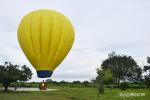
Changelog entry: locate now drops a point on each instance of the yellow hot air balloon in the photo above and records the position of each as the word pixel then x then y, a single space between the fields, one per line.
pixel 46 37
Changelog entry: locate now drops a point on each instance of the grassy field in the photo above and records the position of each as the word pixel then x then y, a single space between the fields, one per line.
pixel 74 94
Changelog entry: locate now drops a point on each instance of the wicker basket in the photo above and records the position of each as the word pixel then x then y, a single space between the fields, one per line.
pixel 43 86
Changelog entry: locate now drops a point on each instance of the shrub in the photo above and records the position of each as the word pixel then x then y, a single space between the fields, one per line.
pixel 124 85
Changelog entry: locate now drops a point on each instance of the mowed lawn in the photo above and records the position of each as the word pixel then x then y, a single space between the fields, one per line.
pixel 74 94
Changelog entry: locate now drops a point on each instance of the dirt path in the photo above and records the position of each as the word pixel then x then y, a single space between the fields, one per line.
pixel 29 89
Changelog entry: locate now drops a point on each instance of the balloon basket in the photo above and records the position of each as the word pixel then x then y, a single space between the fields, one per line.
pixel 43 86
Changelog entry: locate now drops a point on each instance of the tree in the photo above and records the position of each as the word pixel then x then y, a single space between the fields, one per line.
pixel 11 73
pixel 93 81
pixel 63 82
pixel 99 81
pixel 124 85
pixel 49 81
pixel 103 77
pixel 147 73
pixel 76 82
pixel 85 83
pixel 122 67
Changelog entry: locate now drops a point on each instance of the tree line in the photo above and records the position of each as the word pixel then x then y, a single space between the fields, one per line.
pixel 117 70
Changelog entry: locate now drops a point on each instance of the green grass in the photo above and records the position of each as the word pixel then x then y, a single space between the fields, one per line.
pixel 74 94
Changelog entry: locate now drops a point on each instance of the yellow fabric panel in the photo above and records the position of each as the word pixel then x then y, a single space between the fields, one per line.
pixel 45 37
pixel 25 40
pixel 65 44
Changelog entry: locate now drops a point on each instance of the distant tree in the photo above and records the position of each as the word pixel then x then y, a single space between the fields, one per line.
pixel 122 67
pixel 85 83
pixel 124 85
pixel 11 73
pixel 76 82
pixel 49 81
pixel 93 81
pixel 63 82
pixel 147 73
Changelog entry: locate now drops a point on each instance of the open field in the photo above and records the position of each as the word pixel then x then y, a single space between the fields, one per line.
pixel 74 94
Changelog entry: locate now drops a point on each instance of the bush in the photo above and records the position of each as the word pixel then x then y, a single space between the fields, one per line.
pixel 124 85
pixel 137 86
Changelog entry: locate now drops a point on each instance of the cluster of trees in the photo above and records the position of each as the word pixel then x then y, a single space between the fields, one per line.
pixel 13 73
pixel 85 83
pixel 121 69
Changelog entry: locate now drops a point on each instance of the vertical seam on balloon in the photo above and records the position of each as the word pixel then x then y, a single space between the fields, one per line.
pixel 60 37
pixel 63 48
pixel 65 51
pixel 50 35
pixel 40 36
pixel 31 38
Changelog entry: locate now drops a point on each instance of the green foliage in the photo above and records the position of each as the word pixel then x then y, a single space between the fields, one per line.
pixel 63 82
pixel 103 77
pixel 137 86
pixel 100 75
pixel 26 73
pixel 147 73
pixel 76 82
pixel 124 85
pixel 11 73
pixel 147 78
pixel 122 67
pixel 85 83
pixel 108 77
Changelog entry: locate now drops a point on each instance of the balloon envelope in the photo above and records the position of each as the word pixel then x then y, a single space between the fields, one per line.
pixel 45 37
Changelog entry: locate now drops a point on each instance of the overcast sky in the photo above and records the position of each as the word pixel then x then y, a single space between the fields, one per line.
pixel 101 26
